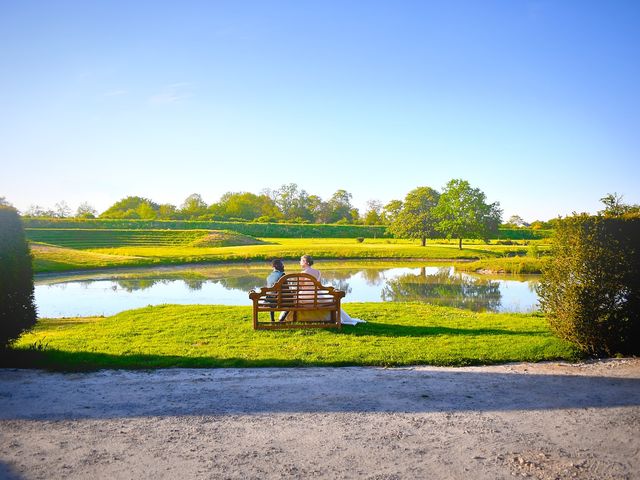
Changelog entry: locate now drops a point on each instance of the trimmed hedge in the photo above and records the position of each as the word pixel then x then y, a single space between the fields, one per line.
pixel 17 310
pixel 590 289
pixel 269 230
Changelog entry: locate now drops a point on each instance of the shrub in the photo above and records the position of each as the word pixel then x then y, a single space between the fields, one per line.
pixel 360 239
pixel 17 311
pixel 590 290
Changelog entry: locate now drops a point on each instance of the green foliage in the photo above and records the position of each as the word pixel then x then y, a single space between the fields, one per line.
pixel 390 211
pixel 533 251
pixel 17 310
pixel 463 213
pixel 193 206
pixel 416 218
pixel 244 205
pixel 591 287
pixel 615 208
pixel 254 229
pixel 222 336
pixel 132 207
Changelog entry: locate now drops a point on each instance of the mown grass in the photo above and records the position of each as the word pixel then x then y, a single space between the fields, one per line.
pixel 52 259
pixel 516 265
pixel 222 336
pixel 83 239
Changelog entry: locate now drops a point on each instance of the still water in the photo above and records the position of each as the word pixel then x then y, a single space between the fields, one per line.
pixel 113 292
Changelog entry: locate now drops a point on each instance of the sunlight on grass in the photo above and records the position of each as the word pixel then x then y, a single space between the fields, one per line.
pixel 222 336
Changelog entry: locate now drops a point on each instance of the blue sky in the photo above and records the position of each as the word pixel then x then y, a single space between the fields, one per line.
pixel 534 102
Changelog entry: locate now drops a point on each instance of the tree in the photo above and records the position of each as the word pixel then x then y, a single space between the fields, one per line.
pixel 128 207
pixel 39 211
pixel 339 207
pixel 614 206
pixel 245 206
pixel 416 219
pixel 462 212
pixel 17 309
pixel 86 211
pixel 373 214
pixel 62 210
pixel 4 202
pixel 517 221
pixel 167 211
pixel 193 206
pixel 293 203
pixel 391 211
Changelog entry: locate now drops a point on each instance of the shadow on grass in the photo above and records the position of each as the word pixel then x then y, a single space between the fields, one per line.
pixel 394 330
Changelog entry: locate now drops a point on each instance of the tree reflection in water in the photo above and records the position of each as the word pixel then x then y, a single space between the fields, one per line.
pixel 444 288
pixel 133 284
pixel 243 283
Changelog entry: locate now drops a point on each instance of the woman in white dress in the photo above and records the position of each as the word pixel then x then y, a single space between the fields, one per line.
pixel 305 263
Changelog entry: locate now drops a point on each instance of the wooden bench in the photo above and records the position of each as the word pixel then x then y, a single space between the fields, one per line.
pixel 308 304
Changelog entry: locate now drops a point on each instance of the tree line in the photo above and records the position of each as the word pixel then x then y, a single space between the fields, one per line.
pixel 289 203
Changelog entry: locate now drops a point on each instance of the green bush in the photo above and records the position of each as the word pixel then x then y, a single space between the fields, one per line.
pixel 17 311
pixel 590 290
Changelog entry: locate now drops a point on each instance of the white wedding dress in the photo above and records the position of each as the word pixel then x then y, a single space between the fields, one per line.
pixel 346 319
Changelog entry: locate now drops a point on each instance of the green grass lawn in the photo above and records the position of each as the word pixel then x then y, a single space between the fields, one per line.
pixel 222 336
pixel 48 258
pixel 518 265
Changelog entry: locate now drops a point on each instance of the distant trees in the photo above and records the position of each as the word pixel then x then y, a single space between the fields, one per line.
pixel 459 211
pixel 244 206
pixel 132 207
pixel 86 211
pixel 193 206
pixel 462 212
pixel 516 221
pixel 391 211
pixel 339 208
pixel 615 208
pixel 62 210
pixel 373 214
pixel 416 218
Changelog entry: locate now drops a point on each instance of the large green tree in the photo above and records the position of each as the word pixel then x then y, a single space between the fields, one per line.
pixel 390 211
pixel 293 203
pixel 339 208
pixel 462 212
pixel 416 219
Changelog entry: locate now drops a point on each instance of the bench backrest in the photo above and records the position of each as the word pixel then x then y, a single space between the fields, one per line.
pixel 297 290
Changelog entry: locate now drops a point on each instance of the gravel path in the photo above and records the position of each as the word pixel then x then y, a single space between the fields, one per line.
pixel 547 420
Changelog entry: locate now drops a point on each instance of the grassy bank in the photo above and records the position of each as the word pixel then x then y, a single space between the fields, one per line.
pixel 49 258
pixel 221 336
pixel 516 265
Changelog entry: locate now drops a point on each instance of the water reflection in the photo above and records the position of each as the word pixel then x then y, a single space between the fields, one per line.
pixel 444 287
pixel 109 293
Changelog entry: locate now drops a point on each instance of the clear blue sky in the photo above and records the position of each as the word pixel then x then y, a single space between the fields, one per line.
pixel 537 103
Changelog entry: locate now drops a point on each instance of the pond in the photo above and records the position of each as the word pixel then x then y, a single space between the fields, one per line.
pixel 107 293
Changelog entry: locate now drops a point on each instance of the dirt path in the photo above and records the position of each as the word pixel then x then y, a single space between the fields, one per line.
pixel 545 421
